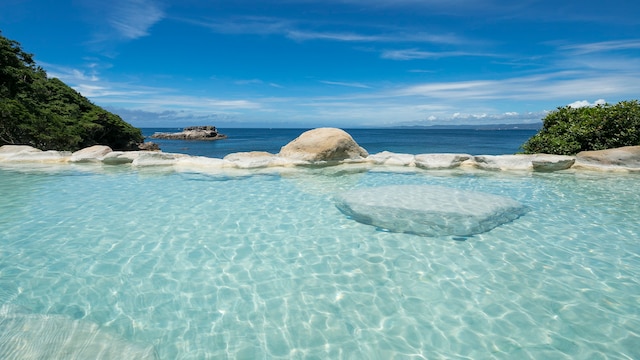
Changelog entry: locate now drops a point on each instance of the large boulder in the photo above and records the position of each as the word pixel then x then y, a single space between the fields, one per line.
pixel 428 210
pixel 323 144
pixel 627 157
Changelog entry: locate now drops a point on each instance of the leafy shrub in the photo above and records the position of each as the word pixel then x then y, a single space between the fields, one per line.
pixel 567 130
pixel 49 115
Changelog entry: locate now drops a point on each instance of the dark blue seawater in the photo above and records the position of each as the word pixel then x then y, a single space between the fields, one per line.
pixel 411 141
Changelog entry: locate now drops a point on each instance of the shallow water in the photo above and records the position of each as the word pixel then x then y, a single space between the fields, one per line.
pixel 266 266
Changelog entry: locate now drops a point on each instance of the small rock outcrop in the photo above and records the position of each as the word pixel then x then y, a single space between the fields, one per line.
pixel 323 144
pixel 148 146
pixel 192 133
pixel 627 157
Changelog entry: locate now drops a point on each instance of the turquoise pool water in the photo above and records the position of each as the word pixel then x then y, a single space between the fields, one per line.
pixel 200 266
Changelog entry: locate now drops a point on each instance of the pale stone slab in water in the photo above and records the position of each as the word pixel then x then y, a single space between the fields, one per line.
pixel 392 159
pixel 440 161
pixel 120 157
pixel 535 162
pixel 260 159
pixel 504 162
pixel 429 210
pixel 156 158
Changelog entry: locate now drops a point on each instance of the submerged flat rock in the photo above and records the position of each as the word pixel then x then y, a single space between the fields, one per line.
pixel 33 336
pixel 429 210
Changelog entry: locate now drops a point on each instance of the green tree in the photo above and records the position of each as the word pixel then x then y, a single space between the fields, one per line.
pixel 47 114
pixel 567 130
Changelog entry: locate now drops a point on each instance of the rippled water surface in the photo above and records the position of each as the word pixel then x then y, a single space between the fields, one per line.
pixel 198 266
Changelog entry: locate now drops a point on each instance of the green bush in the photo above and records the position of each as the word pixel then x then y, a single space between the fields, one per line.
pixel 567 130
pixel 49 115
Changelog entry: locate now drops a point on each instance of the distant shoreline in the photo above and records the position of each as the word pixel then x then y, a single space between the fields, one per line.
pixel 528 126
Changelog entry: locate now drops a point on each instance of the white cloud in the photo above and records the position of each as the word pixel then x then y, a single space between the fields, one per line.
pixel 585 103
pixel 459 118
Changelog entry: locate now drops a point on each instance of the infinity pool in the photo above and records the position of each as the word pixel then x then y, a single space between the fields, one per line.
pixel 254 266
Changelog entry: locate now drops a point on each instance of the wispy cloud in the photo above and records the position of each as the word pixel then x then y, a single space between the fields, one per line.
pixel 133 18
pixel 243 82
pixel 66 73
pixel 158 99
pixel 164 101
pixel 603 46
pixel 299 30
pixel 399 37
pixel 347 84
pixel 248 82
pixel 558 85
pixel 336 36
pixel 414 54
pixel 245 25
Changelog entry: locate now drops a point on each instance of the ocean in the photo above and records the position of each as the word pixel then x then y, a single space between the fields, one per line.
pixel 407 140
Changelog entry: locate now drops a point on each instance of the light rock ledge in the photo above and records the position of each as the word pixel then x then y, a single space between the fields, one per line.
pixel 339 149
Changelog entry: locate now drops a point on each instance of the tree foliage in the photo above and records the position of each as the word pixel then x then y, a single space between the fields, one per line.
pixel 567 130
pixel 47 114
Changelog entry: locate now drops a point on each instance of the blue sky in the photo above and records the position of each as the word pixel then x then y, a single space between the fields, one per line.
pixel 345 63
